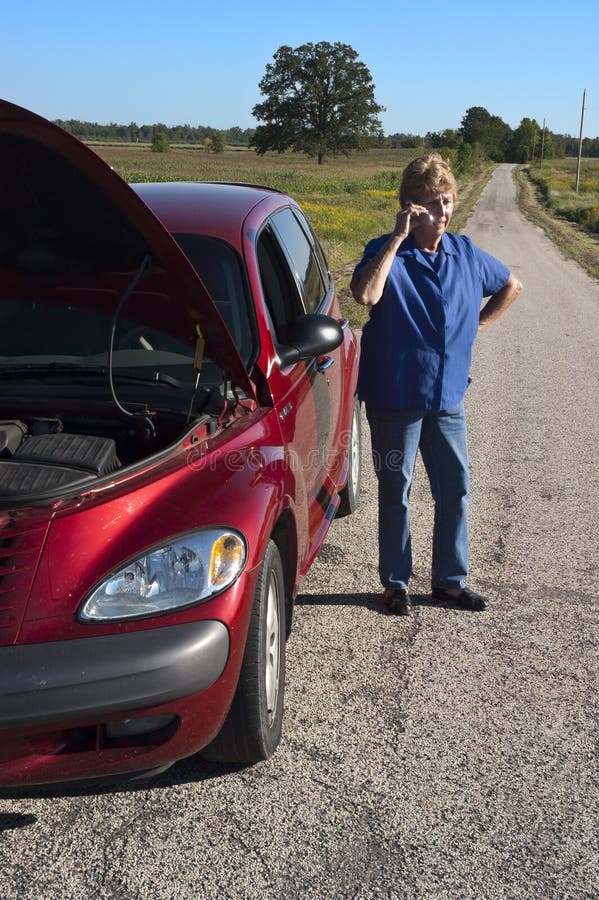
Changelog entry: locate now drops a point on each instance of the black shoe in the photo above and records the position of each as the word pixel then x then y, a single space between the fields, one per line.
pixel 468 599
pixel 397 600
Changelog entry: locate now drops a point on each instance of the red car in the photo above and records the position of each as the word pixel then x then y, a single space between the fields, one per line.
pixel 178 427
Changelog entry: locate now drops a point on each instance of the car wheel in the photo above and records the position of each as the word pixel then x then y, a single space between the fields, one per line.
pixel 350 494
pixel 252 729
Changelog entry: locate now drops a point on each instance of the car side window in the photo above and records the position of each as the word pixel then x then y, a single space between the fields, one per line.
pixel 302 257
pixel 279 287
pixel 316 247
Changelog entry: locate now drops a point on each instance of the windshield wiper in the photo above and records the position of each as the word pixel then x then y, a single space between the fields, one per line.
pixel 51 369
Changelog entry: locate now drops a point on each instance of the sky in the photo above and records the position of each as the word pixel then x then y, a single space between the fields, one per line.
pixel 200 61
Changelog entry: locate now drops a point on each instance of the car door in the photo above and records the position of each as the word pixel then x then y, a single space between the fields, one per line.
pixel 295 282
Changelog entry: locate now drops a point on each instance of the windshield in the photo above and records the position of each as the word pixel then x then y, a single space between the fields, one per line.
pixel 46 333
pixel 51 331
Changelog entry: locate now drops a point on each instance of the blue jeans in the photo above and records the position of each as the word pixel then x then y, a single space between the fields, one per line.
pixel 396 436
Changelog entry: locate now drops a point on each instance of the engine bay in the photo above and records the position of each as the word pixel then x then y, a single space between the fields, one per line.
pixel 45 457
pixel 40 462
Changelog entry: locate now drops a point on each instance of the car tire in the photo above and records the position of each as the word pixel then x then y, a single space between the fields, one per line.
pixel 252 730
pixel 350 494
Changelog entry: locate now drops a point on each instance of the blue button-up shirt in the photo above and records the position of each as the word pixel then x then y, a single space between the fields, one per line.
pixel 417 343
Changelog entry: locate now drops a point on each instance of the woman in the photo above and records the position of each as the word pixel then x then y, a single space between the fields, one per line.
pixel 425 288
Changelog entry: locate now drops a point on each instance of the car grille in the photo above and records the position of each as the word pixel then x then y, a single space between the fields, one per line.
pixel 21 541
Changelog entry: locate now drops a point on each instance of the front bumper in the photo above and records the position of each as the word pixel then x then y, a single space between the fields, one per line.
pixel 69 681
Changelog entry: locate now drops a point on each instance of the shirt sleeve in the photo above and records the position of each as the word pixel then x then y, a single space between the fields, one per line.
pixel 371 249
pixel 493 273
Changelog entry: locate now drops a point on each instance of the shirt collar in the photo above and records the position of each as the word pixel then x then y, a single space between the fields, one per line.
pixel 409 248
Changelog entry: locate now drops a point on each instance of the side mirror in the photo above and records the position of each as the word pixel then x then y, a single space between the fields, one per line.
pixel 309 336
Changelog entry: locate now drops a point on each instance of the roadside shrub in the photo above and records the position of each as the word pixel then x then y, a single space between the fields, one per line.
pixel 587 216
pixel 160 143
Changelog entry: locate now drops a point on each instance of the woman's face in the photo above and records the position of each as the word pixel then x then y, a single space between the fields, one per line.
pixel 440 207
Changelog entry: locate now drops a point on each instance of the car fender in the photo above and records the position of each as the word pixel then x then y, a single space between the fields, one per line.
pixel 247 488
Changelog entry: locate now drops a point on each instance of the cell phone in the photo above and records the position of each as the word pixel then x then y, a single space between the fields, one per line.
pixel 421 215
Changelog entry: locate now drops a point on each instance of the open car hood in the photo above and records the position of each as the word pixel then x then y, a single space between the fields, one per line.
pixel 71 223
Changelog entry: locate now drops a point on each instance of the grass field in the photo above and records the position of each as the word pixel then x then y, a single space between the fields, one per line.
pixel 348 199
pixel 557 178
pixel 547 197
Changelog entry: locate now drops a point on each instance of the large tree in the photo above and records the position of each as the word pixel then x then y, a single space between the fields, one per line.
pixel 526 141
pixel 489 134
pixel 319 101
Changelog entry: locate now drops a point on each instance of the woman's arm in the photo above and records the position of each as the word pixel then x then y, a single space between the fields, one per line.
pixel 497 304
pixel 368 284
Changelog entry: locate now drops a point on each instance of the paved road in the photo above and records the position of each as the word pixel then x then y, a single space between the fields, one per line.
pixel 450 756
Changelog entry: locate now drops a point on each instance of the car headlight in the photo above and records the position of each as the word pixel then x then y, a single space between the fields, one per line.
pixel 188 569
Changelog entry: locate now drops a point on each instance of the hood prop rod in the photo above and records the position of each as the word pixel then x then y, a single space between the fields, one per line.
pixel 145 264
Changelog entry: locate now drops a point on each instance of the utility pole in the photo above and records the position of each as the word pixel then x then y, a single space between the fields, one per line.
pixel 542 143
pixel 584 93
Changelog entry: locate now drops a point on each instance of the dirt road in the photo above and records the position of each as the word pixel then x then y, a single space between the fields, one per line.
pixel 447 756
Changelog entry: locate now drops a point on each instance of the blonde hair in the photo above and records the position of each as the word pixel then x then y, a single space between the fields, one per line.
pixel 427 173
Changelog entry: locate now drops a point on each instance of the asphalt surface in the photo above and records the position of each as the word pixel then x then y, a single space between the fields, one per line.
pixel 446 756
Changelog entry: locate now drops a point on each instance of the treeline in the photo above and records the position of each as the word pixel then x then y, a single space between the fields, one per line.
pixel 133 133
pixel 480 135
pixel 561 144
